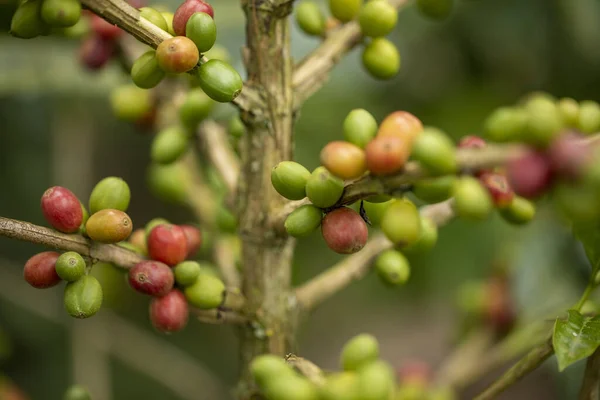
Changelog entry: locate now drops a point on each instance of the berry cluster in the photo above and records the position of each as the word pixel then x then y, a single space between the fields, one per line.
pixel 35 18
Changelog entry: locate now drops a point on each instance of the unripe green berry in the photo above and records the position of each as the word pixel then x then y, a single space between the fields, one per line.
pixel 61 13
pixel 471 200
pixel 268 367
pixel 381 58
pixel 154 16
pixel 236 127
pixel 169 145
pixel 340 386
pixel 303 221
pixel 186 273
pixel 207 292
pixel 401 223
pixel 130 103
pixel 345 10
pixel 201 28
pixel 434 190
pixel 168 182
pixel 427 240
pixel 291 387
pixel 226 221
pixel 471 297
pixel 376 211
pixel 392 267
pixel 323 189
pixel 289 179
pixel 77 392
pixel 359 351
pixel 360 127
pixel 111 192
pixel 376 381
pixel 579 203
pixel 589 117
pixel 70 266
pixel 435 151
pixel 310 18
pixel 27 22
pixel 168 16
pixel 506 124
pixel 145 71
pixel 569 111
pixel 519 212
pixel 544 123
pixel 83 298
pixel 377 18
pixel 153 223
pixel 77 31
pixel 219 80
pixel 196 107
pixel 435 9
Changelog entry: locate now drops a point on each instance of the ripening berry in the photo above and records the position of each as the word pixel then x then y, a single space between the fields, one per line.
pixel 345 10
pixel 111 192
pixel 401 223
pixel 415 372
pixel 289 179
pixel 105 29
pixel 269 367
pixel 427 240
pixel 40 270
pixel 169 144
pixel 208 291
pixel 169 182
pixel 169 313
pixel 95 52
pixel 589 117
pixel 569 111
pixel 291 387
pixel 186 10
pixel 155 17
pixel 376 211
pixel 70 266
pixel 151 277
pixel 310 18
pixel 498 187
pixel 61 13
pixel 196 107
pixel 138 240
pixel 131 103
pixel 344 160
pixel 186 273
pixel 471 200
pixel 529 175
pixel 145 71
pixel 434 190
pixel 177 55
pixel 193 237
pixel 376 381
pixel 340 386
pixel 77 392
pixel 359 351
pixel 381 59
pixel 202 30
pixel 344 231
pixel 219 80
pixel 401 124
pixel 109 226
pixel 435 9
pixel 519 212
pixel 392 267
pixel 83 298
pixel 386 155
pixel 569 156
pixel 168 244
pixel 360 127
pixel 303 221
pixel 62 209
pixel 323 189
pixel 506 124
pixel 471 142
pixel 377 18
pixel 435 151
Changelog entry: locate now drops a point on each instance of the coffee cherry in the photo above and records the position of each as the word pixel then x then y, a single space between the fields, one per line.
pixel 435 151
pixel 169 145
pixel 471 200
pixel 111 192
pixel 145 71
pixel 359 351
pixel 186 10
pixel 386 155
pixel 62 209
pixel 498 187
pixel 40 270
pixel 202 30
pixel 344 231
pixel 186 273
pixel 340 386
pixel 219 80
pixel 499 312
pixel 151 277
pixel 569 156
pixel 196 107
pixel 61 13
pixel 291 387
pixel 529 175
pixel 589 117
pixel 519 212
pixel 344 159
pixel 226 221
pixel 303 221
pixel 435 9
pixel 168 244
pixel 392 267
pixel 193 238
pixel 85 217
pixel 471 142
pixel 310 18
pixel 105 29
pixel 544 123
pixel 153 223
pixel 138 240
pixel 206 292
pixel 95 52
pixel 77 392
pixel 381 59
pixel 376 211
pixel 471 297
pixel 269 367
pixel 401 223
pixel 80 30
pixel 27 22
pixel 236 127
pixel 434 190
pixel 168 16
pixel 377 18
pixel 579 203
pixel 289 179
pixel 177 55
pixel 155 17
pixel 168 182
pixel 506 124
pixel 376 381
pixel 345 10
pixel 323 189
pixel 109 226
pixel 360 127
pixel 83 298
pixel 569 111
pixel 169 313
pixel 401 124
pixel 131 103
pixel 427 240
pixel 70 266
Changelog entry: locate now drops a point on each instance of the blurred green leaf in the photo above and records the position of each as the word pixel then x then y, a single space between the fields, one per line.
pixel 575 338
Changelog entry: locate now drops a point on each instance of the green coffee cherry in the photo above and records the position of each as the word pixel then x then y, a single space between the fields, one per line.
pixel 145 71
pixel 340 386
pixel 168 16
pixel 86 216
pixel 269 367
pixel 544 122
pixel 506 124
pixel 27 21
pixel 130 103
pixel 579 203
pixel 401 223
pixel 186 273
pixel 111 192
pixel 519 212
pixel 359 351
pixel 392 267
pixel 589 117
pixel 236 127
pixel 155 17
pixel 169 145
pixel 61 13
pixel 381 58
pixel 219 80
pixel 360 127
pixel 345 10
pixel 376 211
pixel 196 107
pixel 168 182
pixel 77 31
pixel 207 292
pixel 435 9
pixel 77 392
pixel 427 240
pixel 201 28
pixel 435 151
pixel 70 266
pixel 413 391
pixel 303 221
pixel 434 190
pixel 291 387
pixel 226 221
pixel 376 381
pixel 310 18
pixel 377 18
pixel 471 200
pixel 323 189
pixel 83 297
pixel 289 179
pixel 153 223
pixel 569 111
pixel 471 297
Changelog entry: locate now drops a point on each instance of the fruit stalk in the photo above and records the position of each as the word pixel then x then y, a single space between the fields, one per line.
pixel 590 386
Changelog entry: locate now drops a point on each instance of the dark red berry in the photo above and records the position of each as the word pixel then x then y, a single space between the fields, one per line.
pixel 169 313
pixel 96 52
pixel 193 237
pixel 185 11
pixel 151 277
pixel 39 270
pixel 498 187
pixel 168 244
pixel 344 230
pixel 62 209
pixel 530 174
pixel 569 156
pixel 105 29
pixel 471 142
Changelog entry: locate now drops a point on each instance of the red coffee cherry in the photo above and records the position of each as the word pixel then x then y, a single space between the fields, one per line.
pixel 387 155
pixel 569 156
pixel 168 244
pixel 193 236
pixel 177 55
pixel 95 52
pixel 62 209
pixel 185 11
pixel 39 270
pixel 344 231
pixel 471 142
pixel 105 29
pixel 169 313
pixel 151 277
pixel 529 175
pixel 498 187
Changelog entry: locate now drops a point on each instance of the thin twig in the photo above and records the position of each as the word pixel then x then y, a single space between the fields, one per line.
pixel 200 197
pixel 219 317
pixel 307 368
pixel 215 145
pixel 591 379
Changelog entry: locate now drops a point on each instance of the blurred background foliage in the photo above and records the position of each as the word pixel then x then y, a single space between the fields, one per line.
pixel 56 128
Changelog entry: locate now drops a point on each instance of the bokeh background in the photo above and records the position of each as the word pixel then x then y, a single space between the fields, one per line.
pixel 56 128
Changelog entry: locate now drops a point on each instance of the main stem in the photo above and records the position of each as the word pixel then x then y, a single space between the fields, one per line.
pixel 267 256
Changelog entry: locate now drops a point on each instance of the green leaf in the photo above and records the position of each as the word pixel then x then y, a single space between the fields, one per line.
pixel 575 338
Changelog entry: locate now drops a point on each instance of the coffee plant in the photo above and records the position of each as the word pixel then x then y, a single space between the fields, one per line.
pixel 382 193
